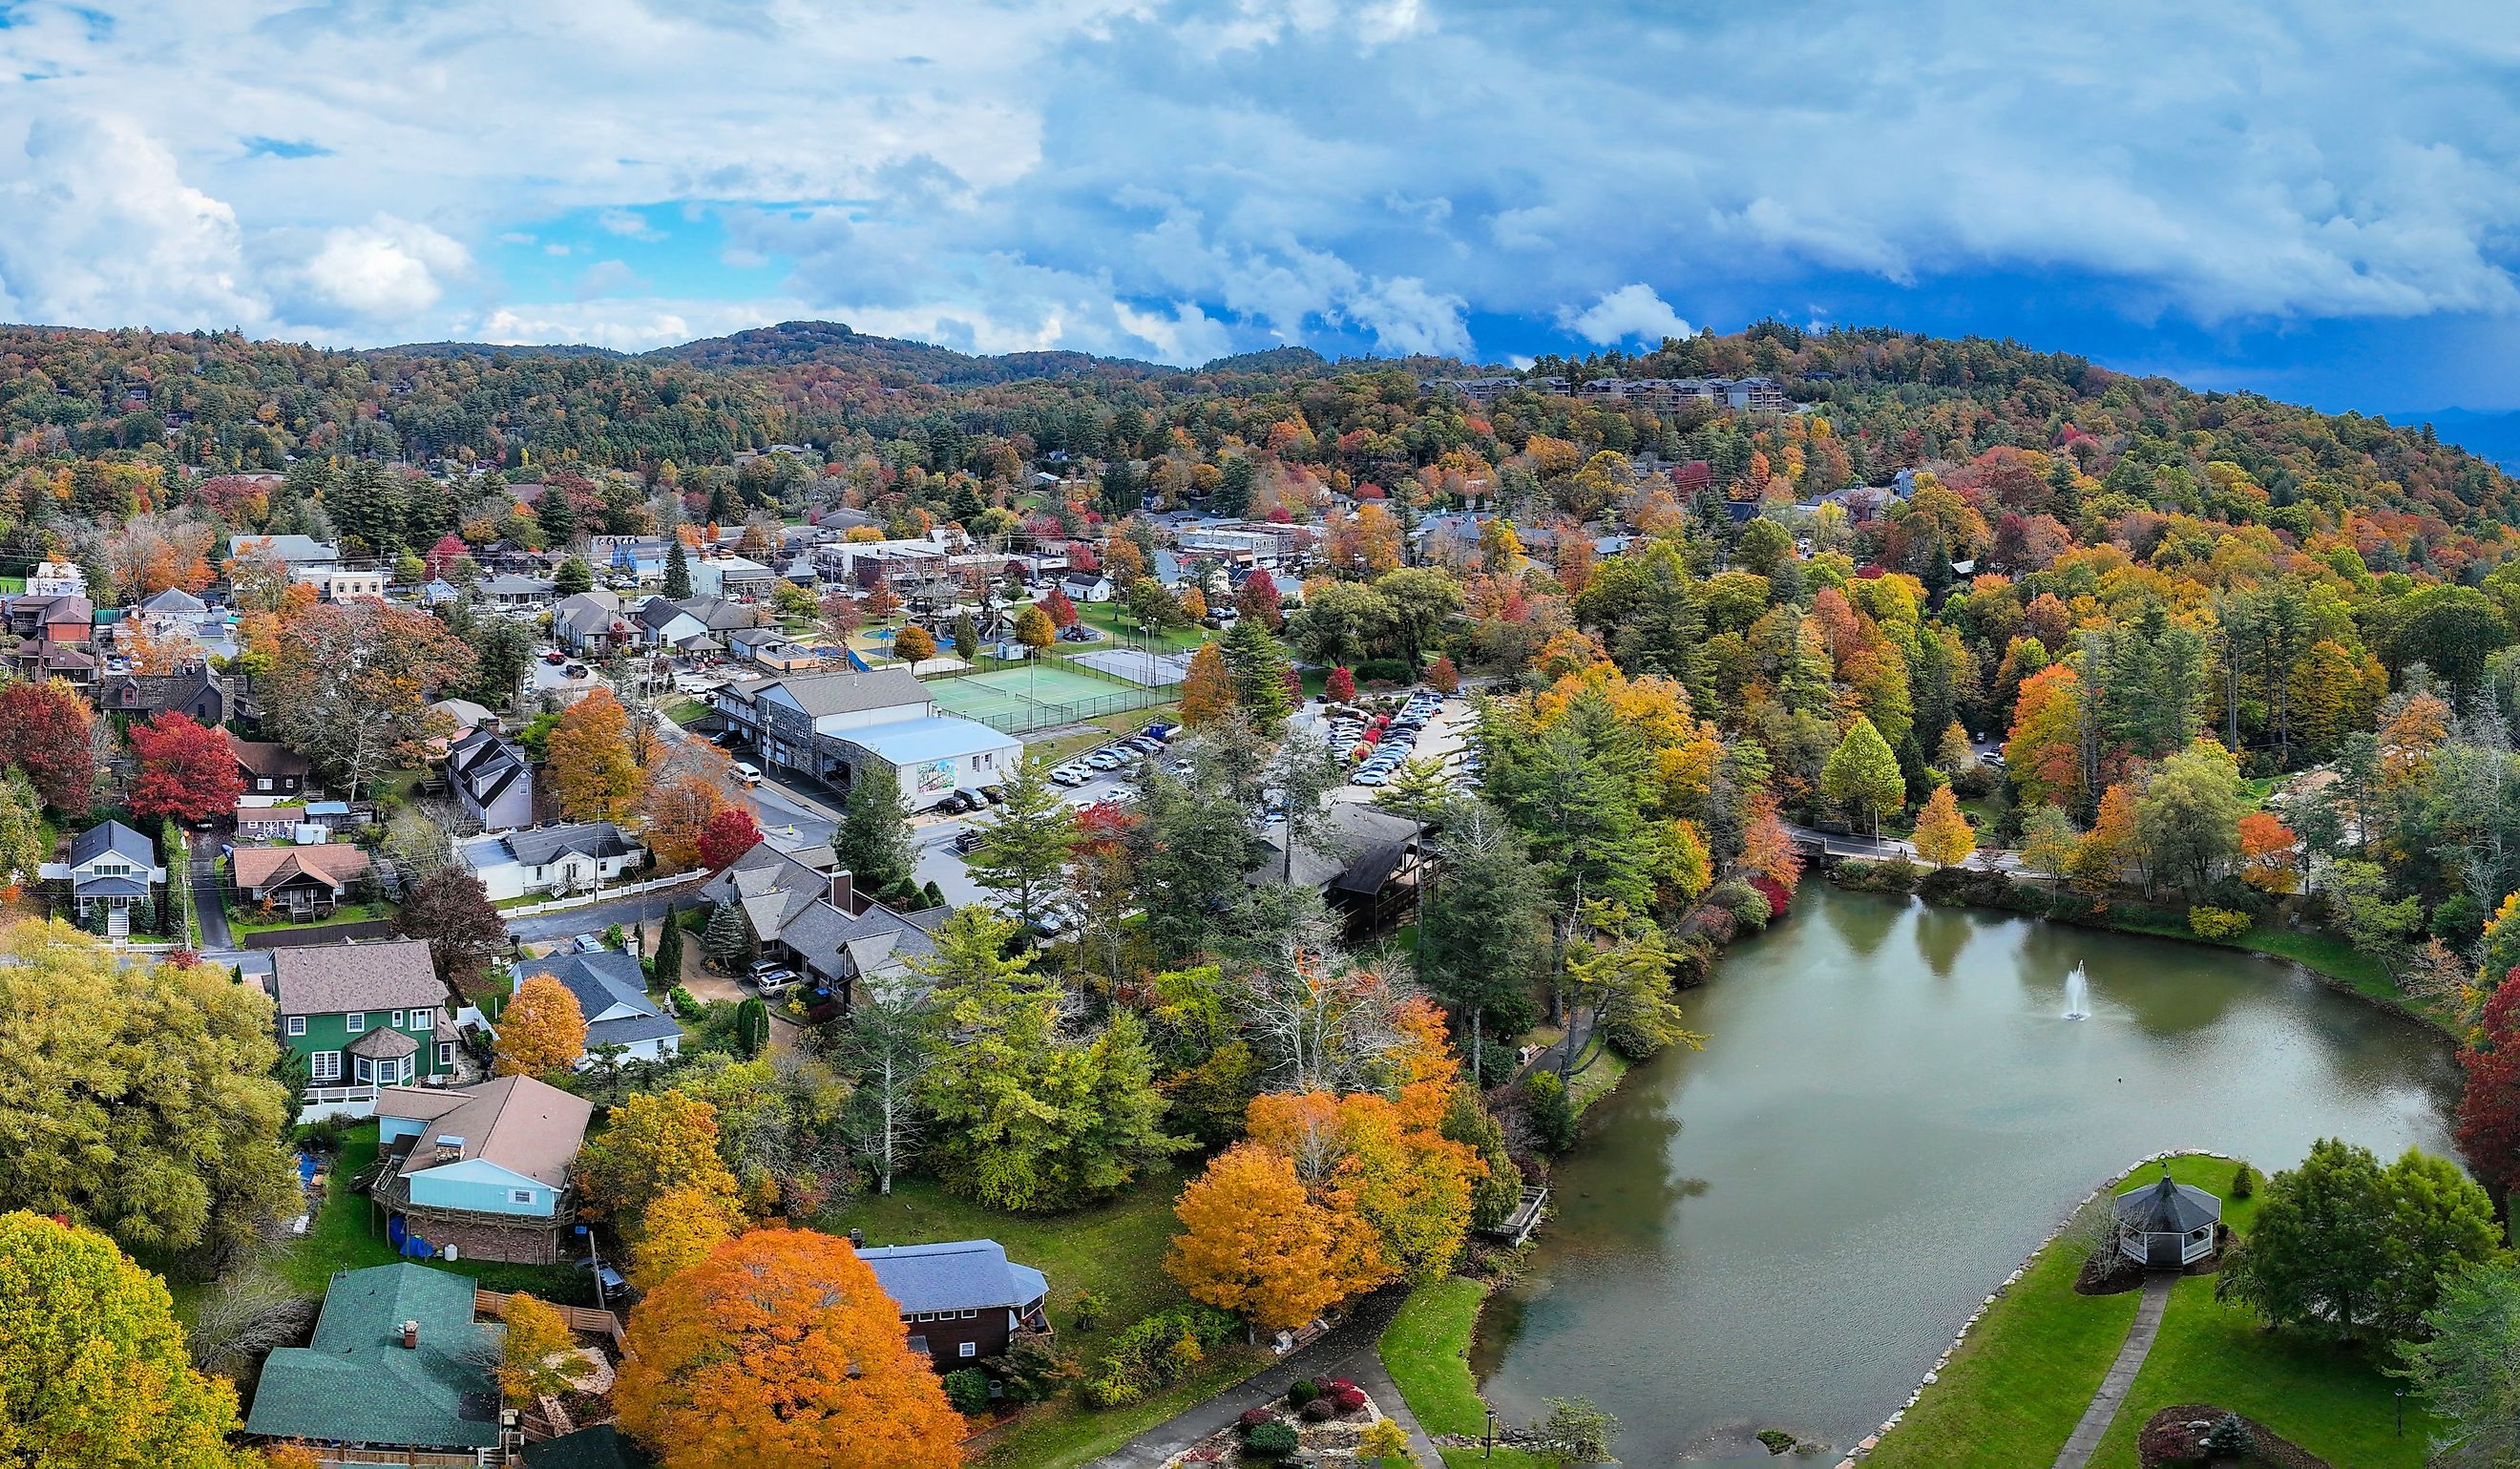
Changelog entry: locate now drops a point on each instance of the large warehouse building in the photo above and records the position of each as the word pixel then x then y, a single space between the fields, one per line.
pixel 840 726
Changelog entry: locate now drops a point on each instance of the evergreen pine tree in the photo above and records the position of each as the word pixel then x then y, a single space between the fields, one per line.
pixel 874 839
pixel 1259 670
pixel 669 954
pixel 729 938
pixel 678 572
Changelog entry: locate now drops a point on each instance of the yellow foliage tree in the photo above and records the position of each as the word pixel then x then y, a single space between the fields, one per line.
pixel 680 1229
pixel 598 778
pixel 915 644
pixel 1207 688
pixel 654 1144
pixel 781 1350
pixel 540 1032
pixel 678 809
pixel 1943 836
pixel 1254 1242
pixel 539 1353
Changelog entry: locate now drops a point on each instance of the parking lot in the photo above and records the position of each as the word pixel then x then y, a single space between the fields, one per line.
pixel 1426 726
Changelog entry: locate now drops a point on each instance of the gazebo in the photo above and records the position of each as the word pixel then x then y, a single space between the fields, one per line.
pixel 2167 1224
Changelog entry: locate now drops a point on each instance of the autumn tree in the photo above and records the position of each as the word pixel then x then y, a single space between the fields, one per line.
pixel 541 1030
pixel 780 1350
pixel 2049 842
pixel 205 1132
pixel 2488 1109
pixel 654 1144
pixel 25 844
pixel 452 911
pixel 914 645
pixel 44 728
pixel 1254 1242
pixel 590 763
pixel 1034 629
pixel 1207 688
pixel 679 809
pixel 2267 860
pixel 1339 688
pixel 92 1364
pixel 680 1227
pixel 539 1355
pixel 1943 835
pixel 1862 776
pixel 2045 753
pixel 350 685
pixel 729 834
pixel 186 770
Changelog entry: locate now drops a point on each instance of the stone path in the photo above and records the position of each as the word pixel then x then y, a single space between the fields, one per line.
pixel 2113 1388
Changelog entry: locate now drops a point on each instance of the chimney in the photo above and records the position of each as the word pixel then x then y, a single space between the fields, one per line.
pixel 845 895
pixel 411 1336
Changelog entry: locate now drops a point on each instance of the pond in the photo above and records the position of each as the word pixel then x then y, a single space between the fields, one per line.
pixel 1786 1229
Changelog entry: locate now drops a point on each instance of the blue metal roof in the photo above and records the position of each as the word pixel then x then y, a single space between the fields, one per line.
pixel 962 1274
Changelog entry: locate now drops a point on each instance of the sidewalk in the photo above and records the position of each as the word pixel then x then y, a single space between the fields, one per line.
pixel 1348 1350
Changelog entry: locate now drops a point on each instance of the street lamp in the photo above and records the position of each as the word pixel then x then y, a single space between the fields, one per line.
pixel 1488 1450
pixel 2401 1412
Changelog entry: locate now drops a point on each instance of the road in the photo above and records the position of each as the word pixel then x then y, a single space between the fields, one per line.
pixel 210 906
pixel 1846 844
pixel 595 917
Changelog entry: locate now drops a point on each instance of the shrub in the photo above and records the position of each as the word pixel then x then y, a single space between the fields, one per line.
pixel 1087 1310
pixel 1778 896
pixel 1301 1390
pixel 1319 1410
pixel 2244 1181
pixel 2228 1439
pixel 1270 1440
pixel 1891 874
pixel 1967 887
pixel 1148 1354
pixel 1350 1399
pixel 968 1388
pixel 1385 670
pixel 1552 1112
pixel 1253 1417
pixel 1746 904
pixel 2218 924
pixel 1716 925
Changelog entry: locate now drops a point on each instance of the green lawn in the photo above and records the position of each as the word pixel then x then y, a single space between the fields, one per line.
pixel 684 711
pixel 2012 1394
pixel 348 1234
pixel 1426 1350
pixel 245 920
pixel 1116 1250
pixel 1113 617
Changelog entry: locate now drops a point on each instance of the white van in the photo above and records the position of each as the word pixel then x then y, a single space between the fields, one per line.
pixel 748 773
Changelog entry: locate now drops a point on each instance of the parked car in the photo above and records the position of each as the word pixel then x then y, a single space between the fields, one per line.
pixel 554 656
pixel 964 841
pixel 575 670
pixel 748 773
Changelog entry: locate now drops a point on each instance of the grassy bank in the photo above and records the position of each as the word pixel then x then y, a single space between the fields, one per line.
pixel 2012 1393
pixel 1426 1350
pixel 1115 1251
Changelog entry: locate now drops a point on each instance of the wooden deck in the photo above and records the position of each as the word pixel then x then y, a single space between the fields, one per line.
pixel 1516 1226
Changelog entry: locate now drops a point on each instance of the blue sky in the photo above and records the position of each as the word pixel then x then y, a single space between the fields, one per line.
pixel 2318 201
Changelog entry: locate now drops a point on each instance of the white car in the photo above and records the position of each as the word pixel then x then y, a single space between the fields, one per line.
pixel 1370 778
pixel 748 773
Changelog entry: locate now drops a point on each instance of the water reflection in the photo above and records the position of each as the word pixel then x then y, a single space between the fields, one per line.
pixel 1888 1115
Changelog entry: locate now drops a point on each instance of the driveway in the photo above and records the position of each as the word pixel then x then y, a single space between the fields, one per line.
pixel 207 907
pixel 595 917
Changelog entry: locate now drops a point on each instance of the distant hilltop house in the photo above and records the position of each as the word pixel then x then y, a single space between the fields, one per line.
pixel 1484 391
pixel 483 1169
pixel 57 579
pixel 397 1366
pixel 962 1300
pixel 361 1016
pixel 1671 394
pixel 576 857
pixel 611 994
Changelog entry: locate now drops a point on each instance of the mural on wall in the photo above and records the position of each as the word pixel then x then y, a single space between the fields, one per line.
pixel 936 776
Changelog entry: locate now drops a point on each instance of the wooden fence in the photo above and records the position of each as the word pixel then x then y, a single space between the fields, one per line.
pixel 603 1324
pixel 321 933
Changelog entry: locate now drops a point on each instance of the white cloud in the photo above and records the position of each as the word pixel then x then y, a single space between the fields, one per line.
pixel 605 277
pixel 382 273
pixel 629 224
pixel 631 324
pixel 102 230
pixel 1633 312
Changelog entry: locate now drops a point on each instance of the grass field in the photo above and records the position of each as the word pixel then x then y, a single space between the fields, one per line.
pixel 1113 617
pixel 1426 1350
pixel 1116 1250
pixel 2013 1393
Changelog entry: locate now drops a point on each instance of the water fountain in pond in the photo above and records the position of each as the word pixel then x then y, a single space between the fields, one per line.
pixel 2077 996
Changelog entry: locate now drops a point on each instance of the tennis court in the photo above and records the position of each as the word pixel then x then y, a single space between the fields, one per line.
pixel 1035 697
pixel 1140 666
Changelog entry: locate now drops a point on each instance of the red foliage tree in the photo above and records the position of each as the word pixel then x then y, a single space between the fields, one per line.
pixel 728 835
pixel 2489 1113
pixel 1442 676
pixel 186 770
pixel 44 729
pixel 443 554
pixel 1061 611
pixel 1340 687
pixel 1258 597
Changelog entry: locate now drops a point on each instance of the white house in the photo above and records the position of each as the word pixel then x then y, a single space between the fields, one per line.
pixel 57 579
pixel 1086 585
pixel 112 867
pixel 560 859
pixel 342 583
pixel 934 756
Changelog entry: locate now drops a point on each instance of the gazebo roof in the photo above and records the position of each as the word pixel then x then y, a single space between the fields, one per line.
pixel 2168 1207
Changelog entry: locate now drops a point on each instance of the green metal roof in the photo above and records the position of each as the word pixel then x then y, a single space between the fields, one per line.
pixel 357 1384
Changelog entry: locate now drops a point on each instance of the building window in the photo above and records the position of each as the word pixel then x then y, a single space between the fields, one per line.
pixel 521 1195
pixel 261 785
pixel 298 1025
pixel 970 1349
pixel 423 1020
pixel 367 1071
pixel 324 1066
pixel 397 1022
pixel 970 1316
pixel 357 1021
pixel 918 1343
pixel 445 1054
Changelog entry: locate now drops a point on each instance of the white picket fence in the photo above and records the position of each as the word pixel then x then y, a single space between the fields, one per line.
pixel 603 894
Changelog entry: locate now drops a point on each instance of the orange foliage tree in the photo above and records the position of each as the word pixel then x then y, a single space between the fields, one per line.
pixel 915 644
pixel 1255 1242
pixel 1943 834
pixel 541 1030
pixel 2266 852
pixel 1207 688
pixel 781 1352
pixel 679 809
pixel 598 778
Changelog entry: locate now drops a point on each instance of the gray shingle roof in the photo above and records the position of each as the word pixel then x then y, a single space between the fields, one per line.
pixel 543 845
pixel 822 693
pixel 116 838
pixel 962 1274
pixel 356 1384
pixel 332 979
pixel 600 982
pixel 2168 1207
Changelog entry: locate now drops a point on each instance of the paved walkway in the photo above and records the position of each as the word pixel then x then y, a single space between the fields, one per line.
pixel 208 907
pixel 1348 1350
pixel 2113 1388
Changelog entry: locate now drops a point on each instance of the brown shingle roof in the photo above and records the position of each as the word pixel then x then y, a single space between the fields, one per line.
pixel 263 758
pixel 334 979
pixel 523 1126
pixel 259 867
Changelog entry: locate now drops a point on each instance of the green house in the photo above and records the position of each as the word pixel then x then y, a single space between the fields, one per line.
pixel 397 1362
pixel 362 1016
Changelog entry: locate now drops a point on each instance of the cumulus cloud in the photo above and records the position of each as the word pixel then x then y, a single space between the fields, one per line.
pixel 1633 312
pixel 625 325
pixel 1177 177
